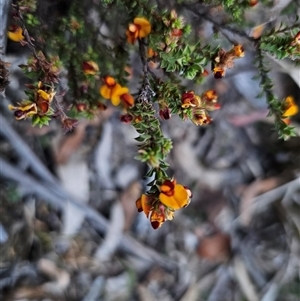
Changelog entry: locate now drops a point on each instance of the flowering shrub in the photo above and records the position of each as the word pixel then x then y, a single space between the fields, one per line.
pixel 97 68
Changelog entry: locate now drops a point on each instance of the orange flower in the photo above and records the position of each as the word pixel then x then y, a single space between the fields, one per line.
pixel 210 96
pixel 219 72
pixel 24 110
pixel 205 73
pixel 157 219
pixel 190 99
pixel 109 86
pixel 15 33
pixel 127 100
pixel 90 68
pixel 144 203
pixel 239 51
pixel 140 28
pixel 253 2
pixel 201 117
pixel 289 107
pixel 43 97
pixel 116 93
pixel 151 53
pixel 121 94
pixel 80 107
pixel 174 196
pixel 224 60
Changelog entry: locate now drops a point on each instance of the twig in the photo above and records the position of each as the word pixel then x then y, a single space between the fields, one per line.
pixel 4 10
pixel 220 26
pixel 54 197
pixel 24 151
pixel 146 91
pixel 49 189
pixel 221 286
pixel 30 45
pixel 259 202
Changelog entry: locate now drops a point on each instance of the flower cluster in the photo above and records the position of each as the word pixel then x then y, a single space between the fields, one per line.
pixel 199 105
pixel 225 60
pixel 40 98
pixel 161 205
pixel 116 93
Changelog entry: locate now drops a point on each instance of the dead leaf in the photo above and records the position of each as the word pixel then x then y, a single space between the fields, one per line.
pixel 113 235
pixel 216 247
pixel 242 277
pixel 70 144
pixel 254 189
pixel 257 31
pixel 128 199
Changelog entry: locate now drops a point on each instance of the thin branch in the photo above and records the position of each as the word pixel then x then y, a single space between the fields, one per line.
pixel 146 91
pixel 28 39
pixel 50 190
pixel 24 151
pixel 220 26
pixel 4 10
pixel 54 198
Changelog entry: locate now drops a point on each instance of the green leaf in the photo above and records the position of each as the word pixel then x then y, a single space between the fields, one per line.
pixel 35 120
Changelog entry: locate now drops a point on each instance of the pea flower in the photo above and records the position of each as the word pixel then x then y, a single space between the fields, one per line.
pixel 140 28
pixel 190 99
pixel 116 93
pixel 174 195
pixel 15 33
pixel 161 206
pixel 90 68
pixel 165 113
pixel 238 51
pixel 122 95
pixel 154 210
pixel 38 104
pixel 24 109
pixel 290 108
pixel 209 100
pixel 110 85
pixel 225 60
pixel 253 2
pixel 144 204
pixel 43 97
pixel 201 117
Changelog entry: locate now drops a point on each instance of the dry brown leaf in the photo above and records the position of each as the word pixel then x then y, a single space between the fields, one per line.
pixel 145 294
pixel 246 119
pixel 52 289
pixel 254 189
pixel 216 247
pixel 257 31
pixel 242 277
pixel 113 234
pixel 128 199
pixel 28 293
pixel 70 144
pixel 61 277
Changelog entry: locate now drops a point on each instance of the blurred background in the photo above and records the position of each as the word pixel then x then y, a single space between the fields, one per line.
pixel 69 227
